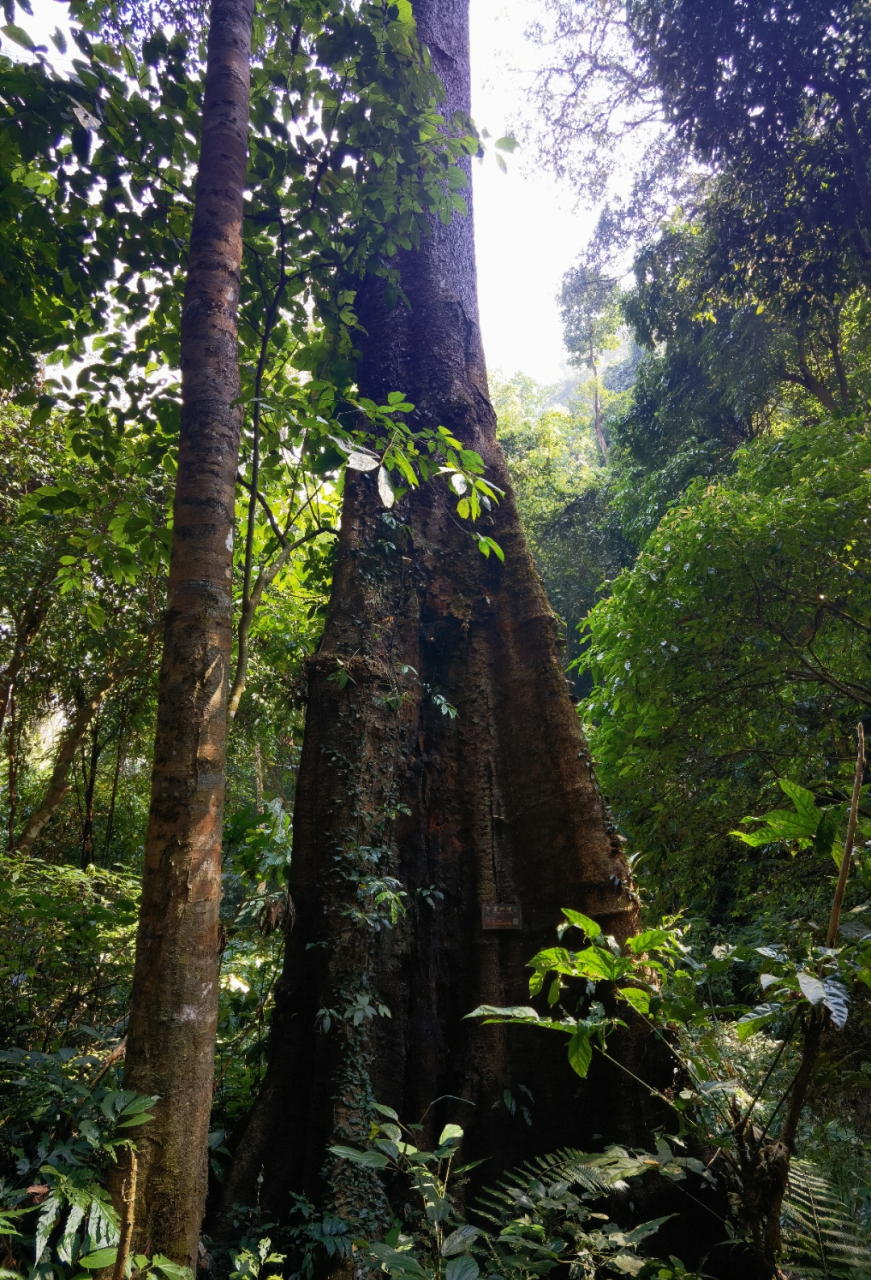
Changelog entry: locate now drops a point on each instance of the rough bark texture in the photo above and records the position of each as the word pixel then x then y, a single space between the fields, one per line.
pixel 170 1045
pixel 498 805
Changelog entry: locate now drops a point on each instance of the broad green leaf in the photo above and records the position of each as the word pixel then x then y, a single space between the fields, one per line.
pixel 811 987
pixel 450 1133
pixel 366 1159
pixel 100 1258
pixel 649 940
pixel 512 1013
pixel 755 1020
pixel 826 834
pixel 462 1268
pixel 397 1262
pixel 172 1270
pixel 640 1000
pixel 590 928
pixel 459 1240
pixel 580 1051
pixel 18 35
pixel 837 1001
pixel 804 800
pixel 386 1111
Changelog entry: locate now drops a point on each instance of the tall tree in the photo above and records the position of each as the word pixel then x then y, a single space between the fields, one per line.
pixel 444 785
pixel 591 317
pixel 761 74
pixel 174 1000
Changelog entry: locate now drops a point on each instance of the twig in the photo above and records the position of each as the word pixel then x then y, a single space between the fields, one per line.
pixel 118 1052
pixel 835 917
pixel 770 1071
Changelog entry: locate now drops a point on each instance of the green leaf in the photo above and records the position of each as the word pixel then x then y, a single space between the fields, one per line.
pixel 462 1268
pixel 590 928
pixel 398 1263
pixel 755 1020
pixel 486 545
pixel 639 1233
pixel 511 1013
pixel 837 1001
pixel 640 1000
pixel 386 1111
pixel 366 1159
pixel 506 144
pixel 96 616
pixel 811 987
pixel 450 1133
pixel 804 800
pixel 580 1051
pixel 172 1270
pixel 142 1103
pixel 459 1240
pixel 826 834
pixel 649 940
pixel 19 36
pixel 100 1258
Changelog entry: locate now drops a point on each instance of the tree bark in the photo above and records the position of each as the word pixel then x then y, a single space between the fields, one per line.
pixel 58 784
pixel 173 1012
pixel 11 769
pixel 90 780
pixel 496 806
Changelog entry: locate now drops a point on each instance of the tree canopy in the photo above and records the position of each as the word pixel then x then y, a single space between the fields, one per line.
pixel 486 647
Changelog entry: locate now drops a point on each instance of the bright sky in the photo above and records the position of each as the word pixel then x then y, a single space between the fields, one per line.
pixel 527 235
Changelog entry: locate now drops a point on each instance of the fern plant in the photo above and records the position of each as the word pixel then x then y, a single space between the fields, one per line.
pixel 539 1216
pixel 820 1233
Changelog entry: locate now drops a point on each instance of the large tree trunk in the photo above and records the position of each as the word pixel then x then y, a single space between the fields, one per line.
pixel 174 1000
pixel 498 806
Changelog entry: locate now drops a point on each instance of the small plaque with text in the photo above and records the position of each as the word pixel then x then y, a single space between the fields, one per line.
pixel 501 915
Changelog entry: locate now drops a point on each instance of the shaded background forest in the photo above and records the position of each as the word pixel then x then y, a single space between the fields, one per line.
pixel 696 494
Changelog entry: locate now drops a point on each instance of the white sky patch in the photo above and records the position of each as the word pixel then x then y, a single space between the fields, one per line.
pixel 526 232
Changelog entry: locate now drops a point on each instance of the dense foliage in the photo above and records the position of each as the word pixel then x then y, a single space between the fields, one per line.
pixel 696 496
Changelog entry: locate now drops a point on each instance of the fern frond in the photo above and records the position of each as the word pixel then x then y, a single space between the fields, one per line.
pixel 596 1175
pixel 821 1235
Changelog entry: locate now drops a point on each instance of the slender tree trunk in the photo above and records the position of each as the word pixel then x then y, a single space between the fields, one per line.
pixel 11 768
pixel 492 817
pixel 174 1000
pixel 31 620
pixel 110 821
pixel 59 784
pixel 597 412
pixel 90 780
